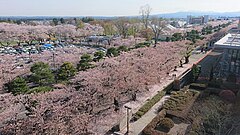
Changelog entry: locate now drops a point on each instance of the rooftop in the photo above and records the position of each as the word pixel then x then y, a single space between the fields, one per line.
pixel 229 41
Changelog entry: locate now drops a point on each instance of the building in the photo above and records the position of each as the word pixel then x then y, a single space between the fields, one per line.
pixel 197 20
pixel 205 18
pixel 229 62
pixel 178 24
pixel 239 24
pixel 235 30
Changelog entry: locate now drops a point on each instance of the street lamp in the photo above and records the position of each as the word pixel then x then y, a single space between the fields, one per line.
pixel 128 108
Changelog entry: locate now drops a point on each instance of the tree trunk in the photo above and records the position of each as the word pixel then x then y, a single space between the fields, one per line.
pixel 187 59
pixel 155 42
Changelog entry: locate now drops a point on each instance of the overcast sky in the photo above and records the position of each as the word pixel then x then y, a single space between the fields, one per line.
pixel 110 7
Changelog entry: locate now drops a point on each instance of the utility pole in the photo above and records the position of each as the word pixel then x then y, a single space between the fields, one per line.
pixel 54 64
pixel 128 108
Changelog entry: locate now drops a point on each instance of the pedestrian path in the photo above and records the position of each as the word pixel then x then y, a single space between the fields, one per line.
pixel 138 126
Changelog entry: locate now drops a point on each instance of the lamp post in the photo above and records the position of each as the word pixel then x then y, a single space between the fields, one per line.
pixel 128 108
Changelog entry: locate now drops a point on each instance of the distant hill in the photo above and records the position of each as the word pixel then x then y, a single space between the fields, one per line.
pixel 211 14
pixel 166 15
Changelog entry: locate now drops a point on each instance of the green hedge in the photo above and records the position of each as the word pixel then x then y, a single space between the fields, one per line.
pixel 165 125
pixel 180 103
pixel 198 86
pixel 150 128
pixel 178 99
pixel 147 106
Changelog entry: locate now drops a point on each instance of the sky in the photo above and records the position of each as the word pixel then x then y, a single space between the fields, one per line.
pixel 110 7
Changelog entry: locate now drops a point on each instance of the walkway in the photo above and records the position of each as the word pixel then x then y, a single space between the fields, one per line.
pixel 142 122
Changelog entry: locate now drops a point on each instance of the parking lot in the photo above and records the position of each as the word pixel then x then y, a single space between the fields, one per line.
pixel 14 62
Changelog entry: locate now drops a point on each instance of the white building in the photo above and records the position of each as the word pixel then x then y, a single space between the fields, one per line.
pixel 230 41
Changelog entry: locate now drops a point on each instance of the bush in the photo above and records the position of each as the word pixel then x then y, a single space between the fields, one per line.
pixel 40 89
pixel 144 44
pixel 228 95
pixel 165 124
pixel 178 100
pixel 198 86
pixel 146 107
pixel 39 66
pixel 83 66
pixel 18 86
pixel 84 63
pixel 139 114
pixel 86 58
pixel 98 55
pixel 196 70
pixel 177 37
pixel 147 44
pixel 66 70
pixel 41 74
pixel 150 128
pixel 112 52
pixel 122 49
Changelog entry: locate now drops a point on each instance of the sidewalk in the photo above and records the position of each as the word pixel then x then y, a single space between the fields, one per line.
pixel 137 126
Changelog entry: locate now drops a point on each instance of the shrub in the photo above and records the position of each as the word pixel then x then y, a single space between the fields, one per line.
pixel 141 45
pixel 149 129
pixel 196 70
pixel 86 58
pixel 177 37
pixel 198 86
pixel 84 63
pixel 147 44
pixel 66 70
pixel 140 113
pixel 112 52
pixel 40 89
pixel 228 95
pixel 146 107
pixel 122 49
pixel 39 66
pixel 178 100
pixel 165 124
pixel 98 55
pixel 18 86
pixel 41 74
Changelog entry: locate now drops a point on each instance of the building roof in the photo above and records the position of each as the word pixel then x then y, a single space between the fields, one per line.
pixel 229 41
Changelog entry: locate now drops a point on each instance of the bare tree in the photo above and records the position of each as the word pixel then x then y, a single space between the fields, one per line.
pixel 145 13
pixel 122 25
pixel 157 25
